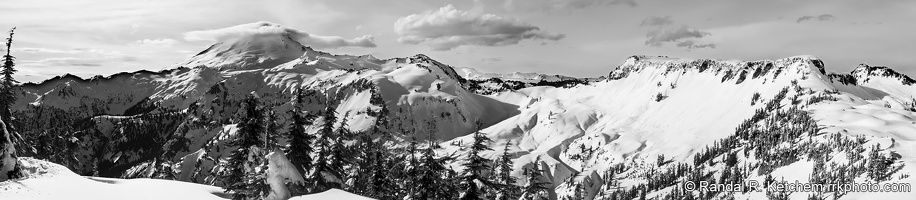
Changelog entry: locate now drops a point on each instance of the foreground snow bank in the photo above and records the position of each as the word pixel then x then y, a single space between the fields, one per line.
pixel 46 180
pixel 331 194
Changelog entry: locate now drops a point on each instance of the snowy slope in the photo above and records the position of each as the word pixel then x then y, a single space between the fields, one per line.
pixel 51 181
pixel 195 103
pixel 674 107
pixel 46 180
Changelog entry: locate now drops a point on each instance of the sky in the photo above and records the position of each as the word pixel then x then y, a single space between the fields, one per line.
pixel 583 38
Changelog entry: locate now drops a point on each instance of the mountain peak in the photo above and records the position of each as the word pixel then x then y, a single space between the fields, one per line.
pixel 248 46
pixel 801 64
pixel 865 71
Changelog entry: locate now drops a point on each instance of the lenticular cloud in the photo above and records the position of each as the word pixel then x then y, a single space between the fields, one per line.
pixel 269 28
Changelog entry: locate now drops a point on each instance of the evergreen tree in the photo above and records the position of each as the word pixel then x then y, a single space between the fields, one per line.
pixel 380 183
pixel 8 134
pixel 8 83
pixel 535 189
pixel 475 167
pixel 300 143
pixel 411 172
pixel 272 131
pixel 239 177
pixel 433 173
pixel 507 188
pixel 325 172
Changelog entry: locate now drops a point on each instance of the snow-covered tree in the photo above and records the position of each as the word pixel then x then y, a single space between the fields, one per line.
pixel 380 158
pixel 272 131
pixel 505 180
pixel 300 143
pixel 475 167
pixel 7 83
pixel 326 168
pixel 535 188
pixel 240 177
pixel 9 167
pixel 433 172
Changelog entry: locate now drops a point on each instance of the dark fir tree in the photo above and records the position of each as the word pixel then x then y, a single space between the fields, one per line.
pixel 476 166
pixel 325 172
pixel 8 136
pixel 411 170
pixel 507 188
pixel 300 148
pixel 7 85
pixel 534 189
pixel 433 172
pixel 379 185
pixel 272 131
pixel 237 178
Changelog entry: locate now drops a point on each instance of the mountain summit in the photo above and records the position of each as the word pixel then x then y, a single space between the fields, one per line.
pixel 255 45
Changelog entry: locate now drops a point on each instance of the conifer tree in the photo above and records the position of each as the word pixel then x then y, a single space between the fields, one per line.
pixel 475 167
pixel 272 130
pixel 433 171
pixel 238 177
pixel 340 157
pixel 8 134
pixel 325 173
pixel 535 189
pixel 411 171
pixel 300 142
pixel 8 83
pixel 379 185
pixel 507 188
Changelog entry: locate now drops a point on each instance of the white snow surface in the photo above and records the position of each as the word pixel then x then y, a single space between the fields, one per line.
pixel 54 182
pixel 331 195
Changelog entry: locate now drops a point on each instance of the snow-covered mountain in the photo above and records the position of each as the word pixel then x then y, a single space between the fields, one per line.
pixel 649 126
pixel 678 109
pixel 191 106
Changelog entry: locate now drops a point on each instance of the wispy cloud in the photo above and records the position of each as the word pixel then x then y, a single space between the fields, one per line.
pixel 162 42
pixel 447 28
pixel 823 17
pixel 656 21
pixel 564 4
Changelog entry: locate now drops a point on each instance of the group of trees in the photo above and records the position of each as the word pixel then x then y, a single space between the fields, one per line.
pixel 380 162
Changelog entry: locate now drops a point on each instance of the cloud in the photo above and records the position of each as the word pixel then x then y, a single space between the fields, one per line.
pixel 162 42
pixel 66 62
pixel 269 28
pixel 666 32
pixel 656 21
pixel 491 59
pixel 45 50
pixel 824 17
pixel 690 44
pixel 448 28
pixel 673 34
pixel 564 4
